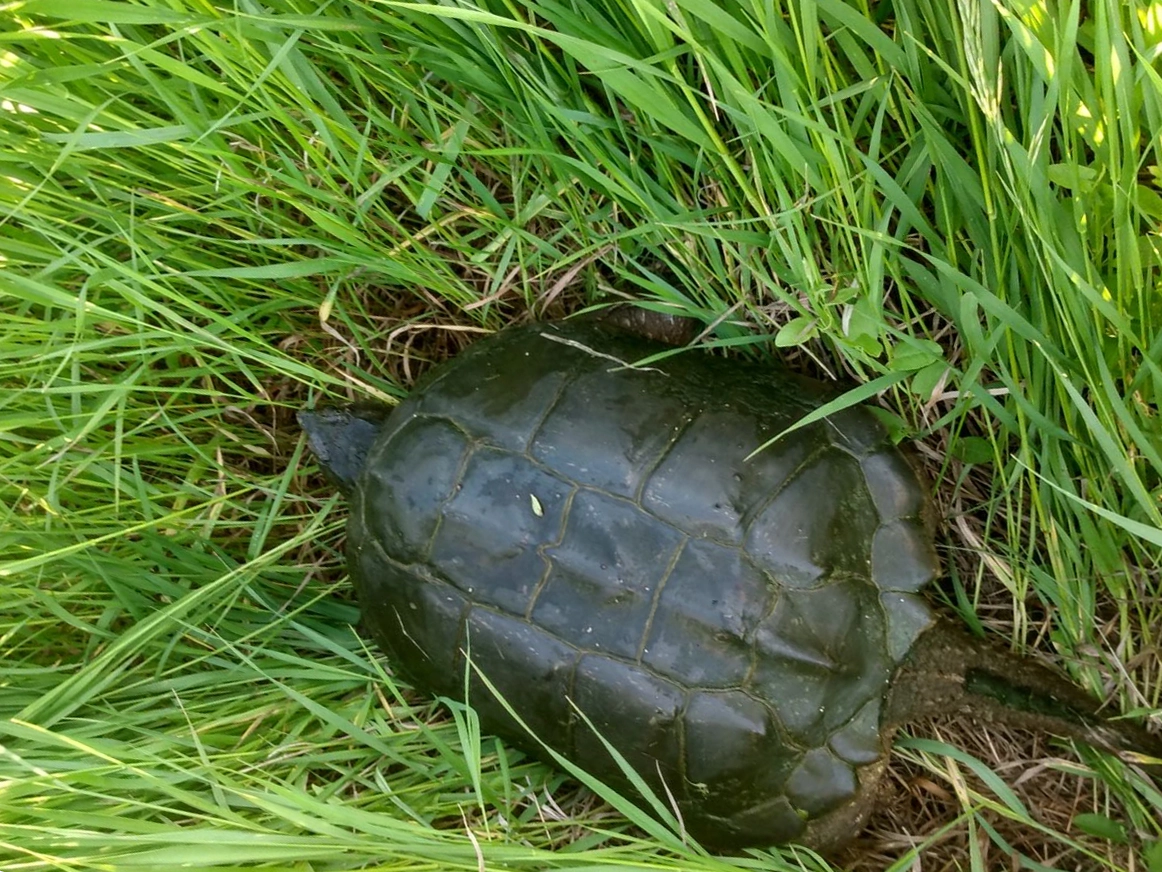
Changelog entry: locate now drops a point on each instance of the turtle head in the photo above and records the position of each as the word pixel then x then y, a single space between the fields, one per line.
pixel 341 437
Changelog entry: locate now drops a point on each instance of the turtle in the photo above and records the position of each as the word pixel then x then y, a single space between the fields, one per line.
pixel 606 544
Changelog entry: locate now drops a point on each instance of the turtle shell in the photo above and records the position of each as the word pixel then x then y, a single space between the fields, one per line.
pixel 597 538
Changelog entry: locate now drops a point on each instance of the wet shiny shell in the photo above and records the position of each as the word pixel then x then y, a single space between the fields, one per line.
pixel 595 535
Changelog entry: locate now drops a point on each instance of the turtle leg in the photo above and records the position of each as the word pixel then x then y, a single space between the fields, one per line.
pixel 649 323
pixel 835 829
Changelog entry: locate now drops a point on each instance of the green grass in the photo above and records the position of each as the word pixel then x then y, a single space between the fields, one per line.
pixel 211 214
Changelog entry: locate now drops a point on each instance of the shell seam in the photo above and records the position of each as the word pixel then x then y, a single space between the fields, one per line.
pixel 674 558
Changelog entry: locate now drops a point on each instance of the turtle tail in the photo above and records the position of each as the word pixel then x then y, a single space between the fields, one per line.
pixel 340 437
pixel 949 671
